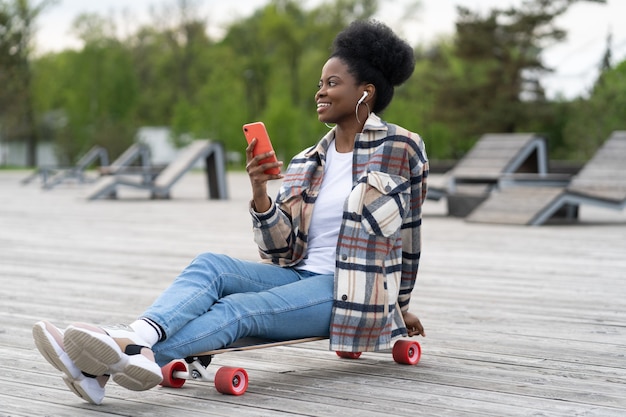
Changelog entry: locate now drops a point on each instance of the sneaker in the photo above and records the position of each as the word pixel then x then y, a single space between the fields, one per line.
pixel 117 351
pixel 49 342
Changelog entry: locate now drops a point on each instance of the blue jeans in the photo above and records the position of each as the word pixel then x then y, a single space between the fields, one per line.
pixel 218 299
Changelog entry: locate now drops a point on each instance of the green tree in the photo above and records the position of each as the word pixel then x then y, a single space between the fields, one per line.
pixel 18 120
pixel 172 58
pixel 490 81
pixel 94 91
pixel 414 105
pixel 592 120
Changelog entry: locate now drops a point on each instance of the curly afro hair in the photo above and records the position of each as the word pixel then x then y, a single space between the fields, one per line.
pixel 375 54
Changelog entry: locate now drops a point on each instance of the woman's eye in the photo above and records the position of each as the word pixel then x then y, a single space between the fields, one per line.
pixel 329 84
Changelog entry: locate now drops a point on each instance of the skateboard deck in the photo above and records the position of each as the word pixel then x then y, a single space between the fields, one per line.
pixel 234 381
pixel 251 343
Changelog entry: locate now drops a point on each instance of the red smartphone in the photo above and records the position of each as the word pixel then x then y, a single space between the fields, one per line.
pixel 263 145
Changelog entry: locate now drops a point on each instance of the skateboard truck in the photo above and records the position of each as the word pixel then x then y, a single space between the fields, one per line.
pixel 205 360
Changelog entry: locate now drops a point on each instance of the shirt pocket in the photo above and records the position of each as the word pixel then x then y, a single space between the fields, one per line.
pixel 385 201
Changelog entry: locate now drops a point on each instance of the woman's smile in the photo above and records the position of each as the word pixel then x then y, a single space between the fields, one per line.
pixel 322 106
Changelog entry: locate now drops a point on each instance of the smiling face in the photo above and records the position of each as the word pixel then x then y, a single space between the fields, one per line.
pixel 338 93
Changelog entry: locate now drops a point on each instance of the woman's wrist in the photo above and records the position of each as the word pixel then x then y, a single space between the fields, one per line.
pixel 261 204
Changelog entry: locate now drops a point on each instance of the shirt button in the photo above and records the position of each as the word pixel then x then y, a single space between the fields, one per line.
pixel 344 257
pixel 344 297
pixel 354 216
pixel 388 188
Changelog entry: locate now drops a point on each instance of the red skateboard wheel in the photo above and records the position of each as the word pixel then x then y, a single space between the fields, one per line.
pixel 231 381
pixel 168 374
pixel 349 355
pixel 407 352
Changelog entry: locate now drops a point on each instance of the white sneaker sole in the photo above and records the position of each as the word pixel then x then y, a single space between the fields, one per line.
pixel 98 354
pixel 52 351
pixel 84 387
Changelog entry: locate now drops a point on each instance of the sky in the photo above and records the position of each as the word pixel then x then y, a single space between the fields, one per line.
pixel 575 61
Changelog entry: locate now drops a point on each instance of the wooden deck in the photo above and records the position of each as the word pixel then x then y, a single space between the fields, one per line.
pixel 520 320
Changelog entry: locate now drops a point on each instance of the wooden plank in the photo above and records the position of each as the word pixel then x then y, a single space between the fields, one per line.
pixel 492 154
pixel 185 159
pixel 604 176
pixel 515 205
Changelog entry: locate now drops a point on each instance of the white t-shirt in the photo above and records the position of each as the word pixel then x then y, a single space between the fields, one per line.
pixel 328 212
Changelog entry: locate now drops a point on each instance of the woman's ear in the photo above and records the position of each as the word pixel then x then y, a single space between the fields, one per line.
pixel 370 89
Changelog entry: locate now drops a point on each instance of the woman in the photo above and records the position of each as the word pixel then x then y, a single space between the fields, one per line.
pixel 340 244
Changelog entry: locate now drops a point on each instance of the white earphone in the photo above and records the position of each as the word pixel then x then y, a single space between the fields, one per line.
pixel 365 94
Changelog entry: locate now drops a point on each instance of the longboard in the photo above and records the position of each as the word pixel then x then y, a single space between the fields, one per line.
pixel 234 381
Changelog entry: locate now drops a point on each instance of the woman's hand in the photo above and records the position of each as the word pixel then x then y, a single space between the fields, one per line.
pixel 258 177
pixel 413 325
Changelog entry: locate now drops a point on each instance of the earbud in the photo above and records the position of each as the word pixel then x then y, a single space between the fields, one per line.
pixel 365 94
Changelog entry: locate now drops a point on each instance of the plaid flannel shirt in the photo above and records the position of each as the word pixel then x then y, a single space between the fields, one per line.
pixel 378 248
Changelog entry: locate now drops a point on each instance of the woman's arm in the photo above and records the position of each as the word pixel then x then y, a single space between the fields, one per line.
pixel 273 228
pixel 411 231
